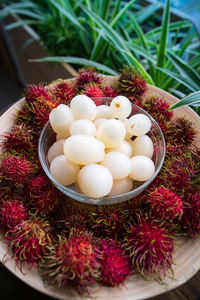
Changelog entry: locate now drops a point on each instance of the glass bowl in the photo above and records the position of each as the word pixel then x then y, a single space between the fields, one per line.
pixel 48 137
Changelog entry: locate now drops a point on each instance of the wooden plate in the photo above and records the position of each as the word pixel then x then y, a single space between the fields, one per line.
pixel 186 257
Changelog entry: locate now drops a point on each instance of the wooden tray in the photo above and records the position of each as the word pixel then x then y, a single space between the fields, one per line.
pixel 186 257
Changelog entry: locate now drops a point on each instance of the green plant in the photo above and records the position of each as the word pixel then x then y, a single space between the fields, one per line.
pixel 109 34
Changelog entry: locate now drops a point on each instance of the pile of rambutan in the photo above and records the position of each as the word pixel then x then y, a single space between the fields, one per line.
pixel 72 245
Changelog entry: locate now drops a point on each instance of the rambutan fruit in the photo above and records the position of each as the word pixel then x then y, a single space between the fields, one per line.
pixel 172 149
pixel 17 170
pixel 180 131
pixel 45 203
pixel 190 221
pixel 87 75
pixel 30 240
pixel 5 192
pixel 110 91
pixel 93 90
pixel 37 184
pixel 37 92
pixel 12 212
pixel 165 204
pixel 131 83
pixel 72 260
pixel 158 108
pixel 108 221
pixel 20 139
pixel 40 111
pixel 69 217
pixel 24 117
pixel 150 247
pixel 181 172
pixel 115 264
pixel 63 92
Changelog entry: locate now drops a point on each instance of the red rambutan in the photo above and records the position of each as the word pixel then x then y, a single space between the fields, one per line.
pixel 45 203
pixel 158 108
pixel 37 185
pixel 5 192
pixel 181 172
pixel 110 91
pixel 20 139
pixel 93 90
pixel 165 204
pixel 17 170
pixel 30 240
pixel 131 83
pixel 87 75
pixel 172 149
pixel 64 92
pixel 73 260
pixel 36 92
pixel 40 111
pixel 12 212
pixel 69 217
pixel 190 221
pixel 108 221
pixel 180 131
pixel 150 247
pixel 115 264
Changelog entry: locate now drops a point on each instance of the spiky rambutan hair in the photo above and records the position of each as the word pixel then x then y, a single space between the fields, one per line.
pixel 150 247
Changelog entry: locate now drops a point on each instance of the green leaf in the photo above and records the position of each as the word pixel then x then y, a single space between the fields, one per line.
pixel 99 42
pixel 141 51
pixel 185 70
pixel 121 12
pixel 192 99
pixel 67 14
pixel 104 8
pixel 118 42
pixel 164 36
pixel 12 7
pixel 172 26
pixel 187 83
pixel 20 23
pixel 147 12
pixel 77 61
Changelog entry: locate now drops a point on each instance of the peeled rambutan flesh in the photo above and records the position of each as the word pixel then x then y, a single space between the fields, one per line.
pixel 36 92
pixel 115 264
pixel 180 131
pixel 12 212
pixel 110 91
pixel 16 170
pixel 20 139
pixel 63 92
pixel 158 108
pixel 30 240
pixel 131 83
pixel 190 221
pixel 108 221
pixel 87 75
pixel 150 247
pixel 165 204
pixel 73 260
